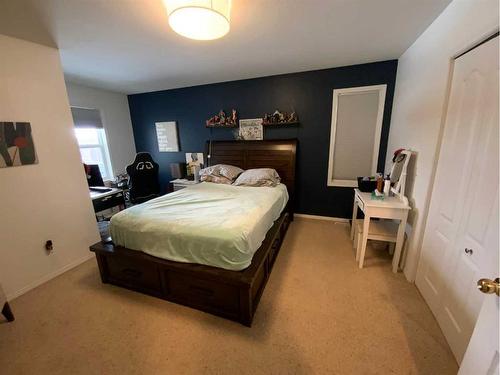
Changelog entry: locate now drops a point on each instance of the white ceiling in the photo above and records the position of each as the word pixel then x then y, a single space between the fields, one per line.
pixel 127 45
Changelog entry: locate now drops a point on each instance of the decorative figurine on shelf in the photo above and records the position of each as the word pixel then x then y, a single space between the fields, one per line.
pixel 212 121
pixel 222 120
pixel 280 118
pixel 222 117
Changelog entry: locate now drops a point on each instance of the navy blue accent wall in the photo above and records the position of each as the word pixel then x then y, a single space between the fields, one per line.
pixel 310 94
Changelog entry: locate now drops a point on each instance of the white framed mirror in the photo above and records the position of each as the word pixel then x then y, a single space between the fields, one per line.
pixel 399 172
pixel 356 127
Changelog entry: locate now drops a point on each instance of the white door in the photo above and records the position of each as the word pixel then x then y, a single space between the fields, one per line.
pixel 482 355
pixel 460 242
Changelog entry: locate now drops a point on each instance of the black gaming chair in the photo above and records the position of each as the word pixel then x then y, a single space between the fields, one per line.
pixel 143 178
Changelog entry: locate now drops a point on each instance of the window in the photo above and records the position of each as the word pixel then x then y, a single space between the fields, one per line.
pixel 94 149
pixel 356 128
pixel 92 140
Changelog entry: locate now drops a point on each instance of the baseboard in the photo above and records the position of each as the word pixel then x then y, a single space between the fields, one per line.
pixel 327 218
pixel 50 276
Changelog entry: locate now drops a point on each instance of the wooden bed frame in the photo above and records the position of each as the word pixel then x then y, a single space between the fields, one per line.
pixel 232 295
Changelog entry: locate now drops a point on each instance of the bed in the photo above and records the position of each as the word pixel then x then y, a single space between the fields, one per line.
pixel 216 225
pixel 221 266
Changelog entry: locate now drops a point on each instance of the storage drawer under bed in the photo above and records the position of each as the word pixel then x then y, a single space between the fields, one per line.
pixel 193 291
pixel 134 274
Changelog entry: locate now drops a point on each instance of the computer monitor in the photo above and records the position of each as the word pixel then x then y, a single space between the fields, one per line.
pixel 93 174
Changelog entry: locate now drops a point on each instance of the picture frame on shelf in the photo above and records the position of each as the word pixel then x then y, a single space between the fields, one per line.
pixel 251 129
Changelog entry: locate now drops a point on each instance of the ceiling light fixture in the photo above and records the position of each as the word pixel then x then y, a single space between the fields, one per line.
pixel 199 19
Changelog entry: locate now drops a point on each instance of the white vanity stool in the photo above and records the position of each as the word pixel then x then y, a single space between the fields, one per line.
pixel 380 230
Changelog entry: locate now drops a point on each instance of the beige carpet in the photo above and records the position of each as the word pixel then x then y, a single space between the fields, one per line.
pixel 319 314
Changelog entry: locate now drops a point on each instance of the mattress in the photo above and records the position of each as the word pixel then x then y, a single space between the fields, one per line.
pixel 212 224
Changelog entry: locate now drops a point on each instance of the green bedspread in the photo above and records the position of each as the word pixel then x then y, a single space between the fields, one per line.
pixel 212 224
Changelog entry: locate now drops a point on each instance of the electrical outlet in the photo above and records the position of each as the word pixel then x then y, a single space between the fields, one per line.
pixel 48 245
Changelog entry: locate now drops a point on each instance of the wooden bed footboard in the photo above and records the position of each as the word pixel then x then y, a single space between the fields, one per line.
pixel 232 295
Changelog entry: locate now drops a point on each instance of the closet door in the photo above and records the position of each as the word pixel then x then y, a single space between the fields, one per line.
pixel 461 238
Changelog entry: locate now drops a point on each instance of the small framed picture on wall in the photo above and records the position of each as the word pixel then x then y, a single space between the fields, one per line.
pixel 166 133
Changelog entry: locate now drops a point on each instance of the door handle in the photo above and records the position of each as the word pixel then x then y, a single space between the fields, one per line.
pixel 488 286
pixel 468 251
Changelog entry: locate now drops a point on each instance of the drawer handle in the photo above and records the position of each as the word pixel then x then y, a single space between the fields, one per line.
pixel 132 273
pixel 202 291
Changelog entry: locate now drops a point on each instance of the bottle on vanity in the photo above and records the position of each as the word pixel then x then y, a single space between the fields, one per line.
pixel 387 185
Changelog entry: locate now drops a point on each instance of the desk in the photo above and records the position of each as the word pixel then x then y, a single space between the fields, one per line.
pixel 389 208
pixel 105 200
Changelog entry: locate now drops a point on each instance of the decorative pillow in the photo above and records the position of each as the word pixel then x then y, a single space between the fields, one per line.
pixel 258 177
pixel 229 171
pixel 210 171
pixel 216 179
pixel 222 170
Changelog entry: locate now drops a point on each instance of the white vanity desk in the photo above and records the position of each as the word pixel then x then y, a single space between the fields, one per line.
pixel 389 208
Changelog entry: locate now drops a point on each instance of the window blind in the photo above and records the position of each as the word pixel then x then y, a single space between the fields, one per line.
pixel 86 118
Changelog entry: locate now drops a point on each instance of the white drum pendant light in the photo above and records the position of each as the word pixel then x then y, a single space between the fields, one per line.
pixel 199 19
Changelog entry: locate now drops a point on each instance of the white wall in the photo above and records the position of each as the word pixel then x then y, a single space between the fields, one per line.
pixel 421 96
pixel 48 200
pixel 115 116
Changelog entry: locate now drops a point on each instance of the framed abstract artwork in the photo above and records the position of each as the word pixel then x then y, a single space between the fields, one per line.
pixel 16 144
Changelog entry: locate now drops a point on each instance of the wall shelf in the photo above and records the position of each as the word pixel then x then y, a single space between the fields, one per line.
pixel 284 124
pixel 220 126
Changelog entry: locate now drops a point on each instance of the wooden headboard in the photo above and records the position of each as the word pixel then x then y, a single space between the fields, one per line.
pixel 277 154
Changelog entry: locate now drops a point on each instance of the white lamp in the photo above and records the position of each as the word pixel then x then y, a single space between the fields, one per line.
pixel 199 19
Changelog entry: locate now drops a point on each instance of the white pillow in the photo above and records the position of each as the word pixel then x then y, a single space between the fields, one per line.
pixel 258 177
pixel 222 170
